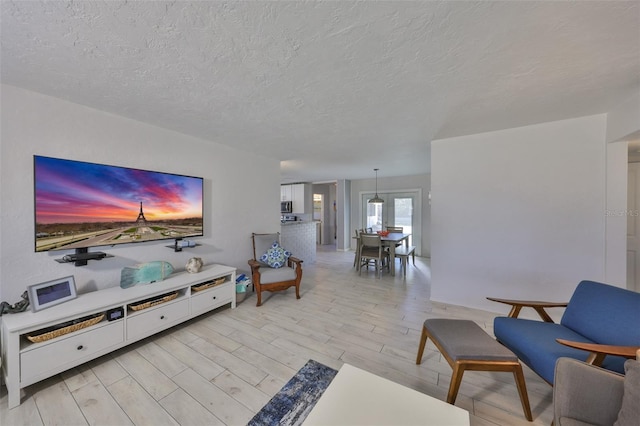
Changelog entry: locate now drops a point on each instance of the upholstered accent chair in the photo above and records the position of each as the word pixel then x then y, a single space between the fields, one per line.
pixel 588 395
pixel 277 276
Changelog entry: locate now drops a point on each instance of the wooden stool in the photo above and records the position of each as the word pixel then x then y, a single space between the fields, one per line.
pixel 466 346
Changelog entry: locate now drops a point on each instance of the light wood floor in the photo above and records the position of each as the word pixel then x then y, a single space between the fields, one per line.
pixel 221 368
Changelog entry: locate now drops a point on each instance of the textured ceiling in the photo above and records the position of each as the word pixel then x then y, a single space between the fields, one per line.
pixel 333 89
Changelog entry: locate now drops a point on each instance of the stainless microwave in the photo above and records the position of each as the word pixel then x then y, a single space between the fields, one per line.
pixel 286 207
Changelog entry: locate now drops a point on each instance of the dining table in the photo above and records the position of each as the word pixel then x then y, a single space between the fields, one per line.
pixel 391 240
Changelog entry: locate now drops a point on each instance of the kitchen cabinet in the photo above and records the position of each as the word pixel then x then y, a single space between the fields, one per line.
pixel 285 193
pixel 302 198
pixel 300 194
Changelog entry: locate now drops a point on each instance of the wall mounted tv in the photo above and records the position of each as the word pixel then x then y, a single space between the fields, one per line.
pixel 80 205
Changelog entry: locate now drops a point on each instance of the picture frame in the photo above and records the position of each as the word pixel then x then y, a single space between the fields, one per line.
pixel 50 293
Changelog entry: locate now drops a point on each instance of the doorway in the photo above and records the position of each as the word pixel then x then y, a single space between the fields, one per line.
pixel 399 209
pixel 318 214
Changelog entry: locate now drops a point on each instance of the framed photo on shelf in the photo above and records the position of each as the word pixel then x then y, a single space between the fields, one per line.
pixel 51 293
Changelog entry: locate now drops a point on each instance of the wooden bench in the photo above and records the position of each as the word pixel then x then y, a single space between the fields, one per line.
pixel 466 346
pixel 403 253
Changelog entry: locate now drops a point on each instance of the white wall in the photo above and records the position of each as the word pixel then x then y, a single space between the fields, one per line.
pixel 393 184
pixel 615 222
pixel 241 189
pixel 518 213
pixel 625 118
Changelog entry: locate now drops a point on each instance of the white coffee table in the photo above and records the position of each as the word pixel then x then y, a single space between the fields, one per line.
pixel 357 397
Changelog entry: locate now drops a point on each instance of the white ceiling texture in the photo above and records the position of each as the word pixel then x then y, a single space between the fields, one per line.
pixel 333 89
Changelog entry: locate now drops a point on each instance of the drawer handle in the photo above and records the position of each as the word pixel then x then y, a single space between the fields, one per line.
pixel 214 297
pixel 80 347
pixel 162 317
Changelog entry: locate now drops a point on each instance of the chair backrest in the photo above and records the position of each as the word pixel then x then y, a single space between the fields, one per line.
pixel 395 229
pixel 604 313
pixel 262 243
pixel 370 240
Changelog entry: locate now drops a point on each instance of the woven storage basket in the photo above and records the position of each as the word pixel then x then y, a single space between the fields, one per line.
pixel 36 338
pixel 144 304
pixel 209 284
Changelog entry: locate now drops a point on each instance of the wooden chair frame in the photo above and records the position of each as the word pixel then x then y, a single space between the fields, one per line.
pixel 275 286
pixel 462 365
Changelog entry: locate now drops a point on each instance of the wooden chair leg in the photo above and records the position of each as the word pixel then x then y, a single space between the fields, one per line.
pixel 259 302
pixel 423 341
pixel 454 386
pixel 522 390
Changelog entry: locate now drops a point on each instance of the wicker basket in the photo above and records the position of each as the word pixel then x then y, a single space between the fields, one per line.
pixel 65 329
pixel 144 304
pixel 208 284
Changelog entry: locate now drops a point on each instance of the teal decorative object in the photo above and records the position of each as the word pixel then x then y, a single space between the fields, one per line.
pixel 145 273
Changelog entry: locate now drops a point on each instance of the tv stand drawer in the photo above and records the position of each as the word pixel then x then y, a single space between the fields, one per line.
pixel 157 318
pixel 46 359
pixel 212 298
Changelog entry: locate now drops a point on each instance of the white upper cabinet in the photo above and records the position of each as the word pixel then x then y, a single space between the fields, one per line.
pixel 300 196
pixel 285 193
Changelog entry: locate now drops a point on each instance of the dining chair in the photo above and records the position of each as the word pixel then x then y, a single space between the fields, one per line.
pixel 372 249
pixel 357 256
pixel 394 229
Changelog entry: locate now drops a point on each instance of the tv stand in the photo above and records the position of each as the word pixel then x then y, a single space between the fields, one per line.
pixel 37 345
pixel 82 256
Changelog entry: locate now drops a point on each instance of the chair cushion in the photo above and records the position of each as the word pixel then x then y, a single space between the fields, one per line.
pixel 630 411
pixel 604 314
pixel 465 340
pixel 275 256
pixel 534 342
pixel 568 421
pixel 270 275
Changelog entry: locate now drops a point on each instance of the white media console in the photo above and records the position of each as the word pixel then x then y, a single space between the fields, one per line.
pixel 189 295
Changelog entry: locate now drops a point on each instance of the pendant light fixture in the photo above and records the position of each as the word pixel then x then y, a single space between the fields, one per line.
pixel 376 199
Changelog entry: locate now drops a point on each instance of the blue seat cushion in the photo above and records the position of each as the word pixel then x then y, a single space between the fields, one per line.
pixel 534 343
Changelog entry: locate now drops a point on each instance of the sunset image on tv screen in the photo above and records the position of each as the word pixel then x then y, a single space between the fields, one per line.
pixel 79 204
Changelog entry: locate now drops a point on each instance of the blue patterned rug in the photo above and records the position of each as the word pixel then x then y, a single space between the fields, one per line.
pixel 292 404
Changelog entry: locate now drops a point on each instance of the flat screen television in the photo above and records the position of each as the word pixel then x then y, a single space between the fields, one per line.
pixel 80 205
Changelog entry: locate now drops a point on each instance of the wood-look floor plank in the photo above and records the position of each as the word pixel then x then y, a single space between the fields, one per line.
pixel 98 405
pixel 57 406
pixel 264 363
pixel 229 361
pixel 247 395
pixel 150 377
pixel 214 399
pixel 161 359
pixel 107 370
pixel 25 414
pixel 187 411
pixel 190 357
pixel 139 405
